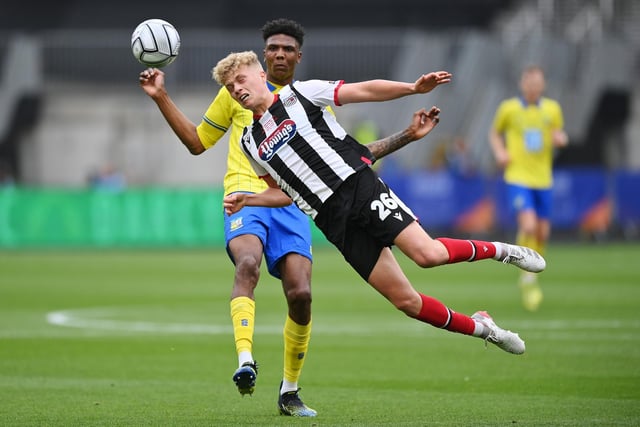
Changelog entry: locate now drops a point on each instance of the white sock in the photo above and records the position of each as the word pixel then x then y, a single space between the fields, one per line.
pixel 501 251
pixel 288 386
pixel 480 330
pixel 244 357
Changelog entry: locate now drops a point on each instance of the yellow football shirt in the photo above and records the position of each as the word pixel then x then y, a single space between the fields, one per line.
pixel 527 131
pixel 225 114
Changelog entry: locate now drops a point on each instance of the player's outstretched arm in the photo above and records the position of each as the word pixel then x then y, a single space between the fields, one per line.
pixel 152 83
pixel 422 123
pixel 272 197
pixel 386 90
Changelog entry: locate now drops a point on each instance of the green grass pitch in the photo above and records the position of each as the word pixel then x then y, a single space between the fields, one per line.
pixel 143 338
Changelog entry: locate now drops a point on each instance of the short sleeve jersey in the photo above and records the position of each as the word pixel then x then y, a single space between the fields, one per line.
pixel 301 145
pixel 225 113
pixel 527 131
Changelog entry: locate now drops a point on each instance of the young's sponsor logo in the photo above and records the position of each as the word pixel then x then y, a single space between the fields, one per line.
pixel 280 136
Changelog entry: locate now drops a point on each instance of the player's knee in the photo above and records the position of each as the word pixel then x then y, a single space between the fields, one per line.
pixel 248 268
pixel 297 295
pixel 428 257
pixel 527 229
pixel 299 303
pixel 407 306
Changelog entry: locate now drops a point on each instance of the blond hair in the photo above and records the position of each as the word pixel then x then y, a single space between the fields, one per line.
pixel 230 64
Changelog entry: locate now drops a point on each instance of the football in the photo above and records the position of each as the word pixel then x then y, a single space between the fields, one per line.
pixel 155 43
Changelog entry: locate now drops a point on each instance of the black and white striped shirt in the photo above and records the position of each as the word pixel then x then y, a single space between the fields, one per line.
pixel 302 146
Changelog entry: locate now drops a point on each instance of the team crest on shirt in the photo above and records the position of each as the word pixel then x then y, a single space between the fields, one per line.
pixel 276 139
pixel 290 100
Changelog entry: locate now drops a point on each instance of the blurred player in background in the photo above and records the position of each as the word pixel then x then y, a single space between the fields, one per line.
pixel 281 235
pixel 305 156
pixel 525 131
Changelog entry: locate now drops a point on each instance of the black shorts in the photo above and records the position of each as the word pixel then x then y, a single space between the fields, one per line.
pixel 361 218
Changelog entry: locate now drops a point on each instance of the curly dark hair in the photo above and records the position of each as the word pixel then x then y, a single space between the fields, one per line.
pixel 283 26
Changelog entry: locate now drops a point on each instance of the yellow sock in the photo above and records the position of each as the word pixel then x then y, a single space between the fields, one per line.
pixel 541 247
pixel 530 242
pixel 530 290
pixel 243 314
pixel 296 343
pixel 525 240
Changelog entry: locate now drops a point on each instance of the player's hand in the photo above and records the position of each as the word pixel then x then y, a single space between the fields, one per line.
pixel 502 158
pixel 423 122
pixel 427 82
pixel 234 202
pixel 152 81
pixel 559 139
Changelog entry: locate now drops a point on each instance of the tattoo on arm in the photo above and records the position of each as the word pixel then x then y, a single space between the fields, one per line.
pixel 384 146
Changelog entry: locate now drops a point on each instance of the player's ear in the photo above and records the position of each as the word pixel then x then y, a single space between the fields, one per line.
pixel 299 57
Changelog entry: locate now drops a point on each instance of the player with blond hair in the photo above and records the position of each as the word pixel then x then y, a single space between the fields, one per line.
pixel 307 158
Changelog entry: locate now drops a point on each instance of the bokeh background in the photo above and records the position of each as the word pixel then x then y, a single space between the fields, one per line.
pixel 87 160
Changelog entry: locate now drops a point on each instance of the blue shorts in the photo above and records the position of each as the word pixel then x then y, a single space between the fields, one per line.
pixel 281 231
pixel 525 198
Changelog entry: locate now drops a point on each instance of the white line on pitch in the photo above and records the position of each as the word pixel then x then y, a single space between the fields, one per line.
pixel 106 319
